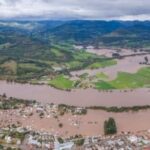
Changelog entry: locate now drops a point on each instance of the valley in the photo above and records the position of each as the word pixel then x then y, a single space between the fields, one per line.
pixel 60 79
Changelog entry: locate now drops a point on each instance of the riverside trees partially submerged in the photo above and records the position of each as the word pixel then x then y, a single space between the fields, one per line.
pixel 110 126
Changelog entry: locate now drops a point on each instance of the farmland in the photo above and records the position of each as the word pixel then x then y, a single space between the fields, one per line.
pixel 61 82
pixel 127 80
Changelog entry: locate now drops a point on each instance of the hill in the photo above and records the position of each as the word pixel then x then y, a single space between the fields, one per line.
pixel 131 34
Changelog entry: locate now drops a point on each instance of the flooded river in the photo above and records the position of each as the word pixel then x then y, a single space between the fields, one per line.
pixel 128 64
pixel 78 97
pixel 90 124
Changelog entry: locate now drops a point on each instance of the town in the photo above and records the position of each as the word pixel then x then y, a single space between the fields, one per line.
pixel 16 134
pixel 19 138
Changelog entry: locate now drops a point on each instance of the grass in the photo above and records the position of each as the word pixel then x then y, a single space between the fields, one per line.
pixel 104 85
pixel 73 64
pixel 136 80
pixel 61 82
pixel 127 80
pixel 57 52
pixel 41 60
pixel 84 76
pixel 101 76
pixel 29 66
pixel 83 55
pixel 10 66
pixel 27 70
pixel 102 64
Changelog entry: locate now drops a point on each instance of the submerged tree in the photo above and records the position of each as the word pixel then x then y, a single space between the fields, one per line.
pixel 110 126
pixel 146 59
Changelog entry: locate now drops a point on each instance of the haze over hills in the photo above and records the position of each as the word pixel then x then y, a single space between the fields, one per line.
pixel 99 33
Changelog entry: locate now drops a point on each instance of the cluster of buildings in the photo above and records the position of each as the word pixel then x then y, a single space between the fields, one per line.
pixel 17 136
pixel 118 142
pixel 24 139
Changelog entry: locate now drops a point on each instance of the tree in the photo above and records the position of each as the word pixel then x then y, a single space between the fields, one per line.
pixel 4 95
pixel 1 147
pixel 60 140
pixel 116 55
pixel 60 125
pixel 110 126
pixel 146 59
pixel 79 142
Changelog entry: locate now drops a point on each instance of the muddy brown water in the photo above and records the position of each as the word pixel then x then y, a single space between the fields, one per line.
pixel 90 124
pixel 128 64
pixel 78 97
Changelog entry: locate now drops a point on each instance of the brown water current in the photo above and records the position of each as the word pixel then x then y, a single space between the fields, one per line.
pixel 78 97
pixel 128 64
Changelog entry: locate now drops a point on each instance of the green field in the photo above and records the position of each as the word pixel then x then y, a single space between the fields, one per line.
pixel 22 64
pixel 57 52
pixel 81 55
pixel 127 80
pixel 101 76
pixel 102 85
pixel 9 66
pixel 73 64
pixel 102 64
pixel 61 82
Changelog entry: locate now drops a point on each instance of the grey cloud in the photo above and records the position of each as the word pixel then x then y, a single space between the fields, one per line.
pixel 75 9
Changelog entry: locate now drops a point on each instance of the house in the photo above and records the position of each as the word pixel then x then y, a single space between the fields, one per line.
pixel 8 139
pixel 63 146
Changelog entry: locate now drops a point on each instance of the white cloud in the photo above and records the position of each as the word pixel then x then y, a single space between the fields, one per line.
pixel 75 9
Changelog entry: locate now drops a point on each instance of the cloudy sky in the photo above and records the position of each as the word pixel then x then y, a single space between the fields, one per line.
pixel 75 9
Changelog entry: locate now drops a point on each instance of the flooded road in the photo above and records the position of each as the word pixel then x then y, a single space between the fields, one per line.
pixel 78 97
